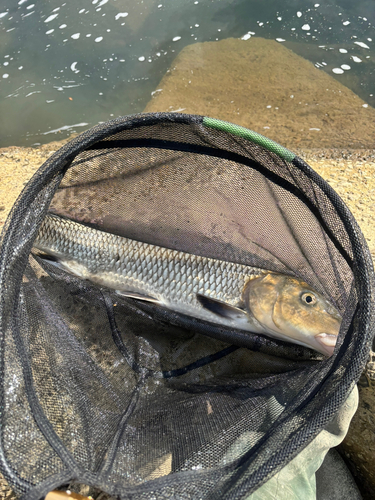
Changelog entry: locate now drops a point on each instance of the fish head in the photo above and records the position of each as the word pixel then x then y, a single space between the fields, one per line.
pixel 290 309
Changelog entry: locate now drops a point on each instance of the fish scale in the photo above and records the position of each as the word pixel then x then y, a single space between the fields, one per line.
pixel 173 277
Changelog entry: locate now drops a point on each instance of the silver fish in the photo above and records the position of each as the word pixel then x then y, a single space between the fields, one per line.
pixel 225 293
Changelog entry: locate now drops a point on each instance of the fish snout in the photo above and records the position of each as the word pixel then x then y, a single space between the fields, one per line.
pixel 327 342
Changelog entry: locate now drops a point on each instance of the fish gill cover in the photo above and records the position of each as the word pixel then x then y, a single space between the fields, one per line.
pixel 142 399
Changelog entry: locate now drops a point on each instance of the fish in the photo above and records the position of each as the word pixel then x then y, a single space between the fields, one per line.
pixel 226 293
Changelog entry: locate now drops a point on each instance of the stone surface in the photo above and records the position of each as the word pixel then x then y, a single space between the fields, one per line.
pixel 262 85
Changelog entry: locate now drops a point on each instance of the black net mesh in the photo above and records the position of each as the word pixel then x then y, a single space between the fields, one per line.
pixel 143 402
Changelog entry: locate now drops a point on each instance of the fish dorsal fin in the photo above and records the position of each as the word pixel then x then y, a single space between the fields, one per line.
pixel 220 308
pixel 140 296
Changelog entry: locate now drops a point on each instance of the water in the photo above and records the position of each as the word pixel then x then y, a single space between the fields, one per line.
pixel 67 66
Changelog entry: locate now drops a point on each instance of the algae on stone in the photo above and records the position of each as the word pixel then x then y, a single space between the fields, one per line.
pixel 262 85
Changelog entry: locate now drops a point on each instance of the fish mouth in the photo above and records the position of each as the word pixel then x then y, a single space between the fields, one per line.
pixel 327 341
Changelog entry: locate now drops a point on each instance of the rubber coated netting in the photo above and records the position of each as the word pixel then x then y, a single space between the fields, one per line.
pixel 139 401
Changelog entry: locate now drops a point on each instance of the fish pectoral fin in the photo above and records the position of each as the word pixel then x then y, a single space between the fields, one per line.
pixel 51 259
pixel 140 296
pixel 43 255
pixel 220 308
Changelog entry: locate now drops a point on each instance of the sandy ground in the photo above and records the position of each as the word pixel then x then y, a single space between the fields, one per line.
pixel 192 85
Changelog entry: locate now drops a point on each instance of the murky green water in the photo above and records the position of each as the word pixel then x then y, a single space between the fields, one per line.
pixel 65 66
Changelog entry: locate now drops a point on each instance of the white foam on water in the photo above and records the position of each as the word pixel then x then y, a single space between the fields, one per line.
pixel 50 18
pixel 338 71
pixel 176 38
pixel 306 27
pixel 345 66
pixel 363 45
pixel 76 36
pixel 356 59
pixel 52 100
pixel 343 51
pixel 65 127
pixel 98 39
pixel 121 14
pixel 35 92
pixel 71 86
pixel 73 67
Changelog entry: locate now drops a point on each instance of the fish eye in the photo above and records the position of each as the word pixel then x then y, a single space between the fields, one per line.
pixel 308 298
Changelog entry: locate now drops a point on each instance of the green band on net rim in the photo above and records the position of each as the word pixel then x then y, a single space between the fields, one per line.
pixel 273 146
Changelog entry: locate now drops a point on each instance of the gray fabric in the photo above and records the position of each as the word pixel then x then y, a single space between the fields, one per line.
pixel 334 481
pixel 297 480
